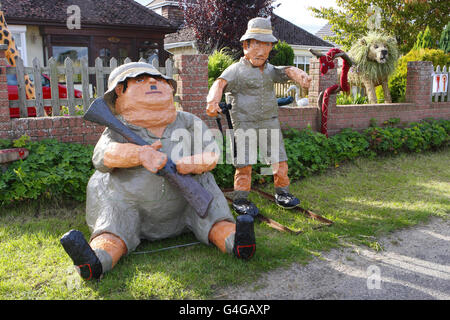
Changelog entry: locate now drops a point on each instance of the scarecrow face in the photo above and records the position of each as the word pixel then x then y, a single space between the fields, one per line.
pixel 257 52
pixel 147 101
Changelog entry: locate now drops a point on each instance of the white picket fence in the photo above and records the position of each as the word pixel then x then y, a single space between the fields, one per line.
pixel 440 84
pixel 53 71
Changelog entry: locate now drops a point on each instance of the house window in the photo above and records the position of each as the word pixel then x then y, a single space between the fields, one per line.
pixel 302 62
pixel 19 35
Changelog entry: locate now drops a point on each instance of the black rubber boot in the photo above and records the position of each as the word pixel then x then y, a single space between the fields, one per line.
pixel 286 200
pixel 244 206
pixel 82 255
pixel 244 239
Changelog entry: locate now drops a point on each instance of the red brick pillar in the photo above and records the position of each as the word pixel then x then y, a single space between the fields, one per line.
pixel 319 84
pixel 5 121
pixel 192 83
pixel 419 83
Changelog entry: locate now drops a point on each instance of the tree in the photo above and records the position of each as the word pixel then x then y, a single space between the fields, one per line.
pixel 221 23
pixel 404 20
pixel 424 40
pixel 282 54
pixel 444 41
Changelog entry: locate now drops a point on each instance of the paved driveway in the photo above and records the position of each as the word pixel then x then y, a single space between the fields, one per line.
pixel 414 264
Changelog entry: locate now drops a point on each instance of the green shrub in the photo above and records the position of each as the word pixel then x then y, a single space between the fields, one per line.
pixel 282 54
pixel 424 40
pixel 52 169
pixel 417 137
pixel 343 98
pixel 380 94
pixel 444 41
pixel 347 145
pixel 384 140
pixel 217 63
pixel 307 152
pixel 397 82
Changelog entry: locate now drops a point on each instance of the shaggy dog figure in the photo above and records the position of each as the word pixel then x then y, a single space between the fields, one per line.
pixel 375 57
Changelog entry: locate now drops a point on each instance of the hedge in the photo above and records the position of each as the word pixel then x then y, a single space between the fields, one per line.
pixel 62 170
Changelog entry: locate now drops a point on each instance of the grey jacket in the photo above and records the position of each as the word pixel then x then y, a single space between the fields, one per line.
pixel 252 91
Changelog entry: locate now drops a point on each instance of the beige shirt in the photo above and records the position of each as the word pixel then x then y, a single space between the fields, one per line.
pixel 252 93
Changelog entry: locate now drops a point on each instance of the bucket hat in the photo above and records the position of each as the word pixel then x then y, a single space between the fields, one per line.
pixel 259 29
pixel 131 70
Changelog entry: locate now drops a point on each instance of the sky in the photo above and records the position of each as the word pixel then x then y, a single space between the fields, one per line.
pixel 296 12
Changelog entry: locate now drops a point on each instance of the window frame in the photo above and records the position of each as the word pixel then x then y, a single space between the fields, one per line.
pixel 22 30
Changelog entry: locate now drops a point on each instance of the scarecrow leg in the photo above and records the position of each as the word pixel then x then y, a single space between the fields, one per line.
pixel 109 248
pixel 281 182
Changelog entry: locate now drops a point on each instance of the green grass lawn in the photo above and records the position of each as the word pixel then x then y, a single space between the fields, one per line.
pixel 365 199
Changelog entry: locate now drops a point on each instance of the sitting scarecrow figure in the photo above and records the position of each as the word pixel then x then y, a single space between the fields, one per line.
pixel 128 201
pixel 250 85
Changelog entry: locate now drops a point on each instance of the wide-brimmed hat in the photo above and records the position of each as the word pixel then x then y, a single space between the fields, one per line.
pixel 131 70
pixel 259 29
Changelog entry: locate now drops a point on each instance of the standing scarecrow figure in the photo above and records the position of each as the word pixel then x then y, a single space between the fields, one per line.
pixel 250 85
pixel 127 201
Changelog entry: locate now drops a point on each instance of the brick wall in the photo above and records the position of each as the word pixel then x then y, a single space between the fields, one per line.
pixel 5 123
pixel 192 80
pixel 192 84
pixel 418 104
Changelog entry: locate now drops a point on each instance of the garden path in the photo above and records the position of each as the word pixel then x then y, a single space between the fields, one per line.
pixel 414 264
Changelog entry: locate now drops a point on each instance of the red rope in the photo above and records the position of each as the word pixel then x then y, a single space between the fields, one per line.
pixel 327 63
pixel 326 97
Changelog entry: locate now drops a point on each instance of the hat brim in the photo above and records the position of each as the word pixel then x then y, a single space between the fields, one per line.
pixel 259 37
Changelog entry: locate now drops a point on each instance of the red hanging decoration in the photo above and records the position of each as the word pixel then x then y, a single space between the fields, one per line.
pixel 327 63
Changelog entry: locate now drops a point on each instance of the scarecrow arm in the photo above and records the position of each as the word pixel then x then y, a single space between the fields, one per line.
pixel 127 155
pixel 214 97
pixel 197 164
pixel 299 76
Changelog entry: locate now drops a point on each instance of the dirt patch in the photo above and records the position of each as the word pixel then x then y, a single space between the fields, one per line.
pixel 414 263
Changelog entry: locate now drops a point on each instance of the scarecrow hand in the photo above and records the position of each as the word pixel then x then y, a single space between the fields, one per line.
pixel 197 164
pixel 212 109
pixel 151 158
pixel 299 76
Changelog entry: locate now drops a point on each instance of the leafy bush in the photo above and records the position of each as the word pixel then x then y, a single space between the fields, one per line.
pixel 282 54
pixel 397 82
pixel 380 94
pixel 347 145
pixel 217 63
pixel 424 40
pixel 417 137
pixel 444 41
pixel 52 169
pixel 342 98
pixel 307 151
